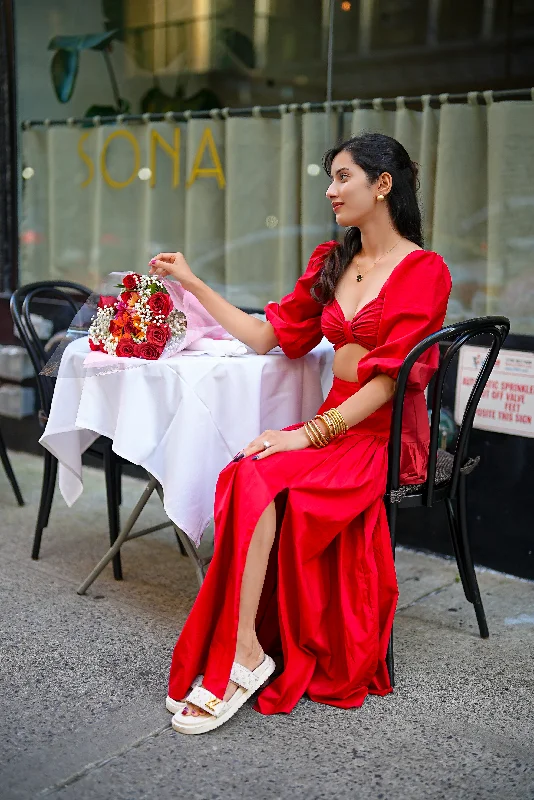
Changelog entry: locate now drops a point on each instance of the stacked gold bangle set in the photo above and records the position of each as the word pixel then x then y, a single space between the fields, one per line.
pixel 334 423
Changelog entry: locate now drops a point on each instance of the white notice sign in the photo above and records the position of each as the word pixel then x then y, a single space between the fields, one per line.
pixel 507 403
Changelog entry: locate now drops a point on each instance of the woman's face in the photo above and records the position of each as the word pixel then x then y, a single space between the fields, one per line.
pixel 352 198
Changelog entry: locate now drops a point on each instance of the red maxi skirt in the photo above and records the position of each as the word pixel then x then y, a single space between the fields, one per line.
pixel 330 592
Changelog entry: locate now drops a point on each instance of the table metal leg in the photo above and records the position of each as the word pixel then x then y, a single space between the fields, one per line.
pixel 200 564
pixel 122 537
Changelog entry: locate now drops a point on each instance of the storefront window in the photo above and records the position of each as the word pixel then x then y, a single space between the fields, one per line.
pixel 243 195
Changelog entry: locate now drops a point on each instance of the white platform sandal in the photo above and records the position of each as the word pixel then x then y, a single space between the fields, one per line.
pixel 220 711
pixel 177 706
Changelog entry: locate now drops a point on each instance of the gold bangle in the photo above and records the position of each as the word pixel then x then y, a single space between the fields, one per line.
pixel 338 416
pixel 320 435
pixel 342 426
pixel 333 423
pixel 342 420
pixel 308 434
pixel 328 423
pixel 337 419
pixel 311 435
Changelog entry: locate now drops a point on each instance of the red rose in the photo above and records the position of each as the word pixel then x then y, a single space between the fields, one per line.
pixel 131 280
pixel 125 348
pixel 149 351
pixel 95 345
pixel 158 334
pixel 106 300
pixel 132 328
pixel 160 303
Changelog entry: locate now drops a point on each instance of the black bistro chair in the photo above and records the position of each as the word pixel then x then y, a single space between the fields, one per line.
pixel 58 301
pixel 447 471
pixel 4 458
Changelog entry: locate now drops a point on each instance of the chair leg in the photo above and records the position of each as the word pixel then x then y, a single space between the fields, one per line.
pixel 390 661
pixel 9 470
pixel 118 479
pixel 110 470
pixel 468 560
pixel 45 504
pixel 455 538
pixel 51 490
pixel 391 511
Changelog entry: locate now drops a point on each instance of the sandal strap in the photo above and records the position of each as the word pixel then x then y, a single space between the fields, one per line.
pixel 244 677
pixel 204 699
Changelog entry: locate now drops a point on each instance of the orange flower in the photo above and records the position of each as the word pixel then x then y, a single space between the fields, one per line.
pixel 130 298
pixel 132 326
pixel 116 327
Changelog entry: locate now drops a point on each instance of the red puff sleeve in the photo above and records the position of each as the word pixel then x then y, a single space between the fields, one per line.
pixel 296 319
pixel 415 304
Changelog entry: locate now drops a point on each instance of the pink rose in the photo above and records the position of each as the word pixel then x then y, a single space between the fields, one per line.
pixel 125 347
pixel 160 303
pixel 106 300
pixel 131 280
pixel 158 334
pixel 149 351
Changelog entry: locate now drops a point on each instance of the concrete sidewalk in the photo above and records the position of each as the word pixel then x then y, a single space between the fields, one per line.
pixel 84 681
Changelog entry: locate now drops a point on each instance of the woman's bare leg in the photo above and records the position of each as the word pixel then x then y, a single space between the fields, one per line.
pixel 248 650
pixel 252 584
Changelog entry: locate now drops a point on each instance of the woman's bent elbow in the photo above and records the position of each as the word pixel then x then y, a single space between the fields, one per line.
pixel 262 349
pixel 267 341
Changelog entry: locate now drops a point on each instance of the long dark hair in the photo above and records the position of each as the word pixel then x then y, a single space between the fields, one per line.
pixel 375 153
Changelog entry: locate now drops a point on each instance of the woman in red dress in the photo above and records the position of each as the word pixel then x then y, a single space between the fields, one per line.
pixel 302 565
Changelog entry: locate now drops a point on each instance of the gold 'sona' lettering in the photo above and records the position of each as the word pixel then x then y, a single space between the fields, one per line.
pixel 206 152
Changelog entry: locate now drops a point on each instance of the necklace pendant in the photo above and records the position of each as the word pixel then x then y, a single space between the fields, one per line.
pixel 358 278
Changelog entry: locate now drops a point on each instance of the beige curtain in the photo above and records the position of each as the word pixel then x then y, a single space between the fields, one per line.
pixel 243 197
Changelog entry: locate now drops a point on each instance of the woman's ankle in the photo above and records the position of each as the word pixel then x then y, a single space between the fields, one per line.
pixel 247 647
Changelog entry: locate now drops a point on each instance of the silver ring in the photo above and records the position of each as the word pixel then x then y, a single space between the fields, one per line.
pixel 266 445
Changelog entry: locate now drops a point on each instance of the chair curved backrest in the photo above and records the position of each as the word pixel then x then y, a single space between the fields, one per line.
pixel 494 328
pixel 58 301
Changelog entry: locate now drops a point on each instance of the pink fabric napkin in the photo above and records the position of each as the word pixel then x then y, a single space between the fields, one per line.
pixel 200 324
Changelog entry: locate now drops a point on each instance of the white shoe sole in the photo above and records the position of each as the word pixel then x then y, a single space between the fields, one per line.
pixel 238 699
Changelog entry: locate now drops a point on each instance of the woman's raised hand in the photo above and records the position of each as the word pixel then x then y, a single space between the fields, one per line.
pixel 277 441
pixel 173 264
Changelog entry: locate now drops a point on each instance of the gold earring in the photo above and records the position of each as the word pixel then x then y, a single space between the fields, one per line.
pixel 380 197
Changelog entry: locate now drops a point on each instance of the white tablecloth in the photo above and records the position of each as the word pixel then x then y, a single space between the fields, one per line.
pixel 181 418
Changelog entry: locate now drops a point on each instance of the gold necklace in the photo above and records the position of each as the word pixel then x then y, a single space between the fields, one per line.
pixel 359 276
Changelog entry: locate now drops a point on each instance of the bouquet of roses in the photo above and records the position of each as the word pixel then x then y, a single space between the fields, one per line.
pixel 140 322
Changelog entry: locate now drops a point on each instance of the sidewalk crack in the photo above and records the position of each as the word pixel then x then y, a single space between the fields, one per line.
pixel 76 776
pixel 431 593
